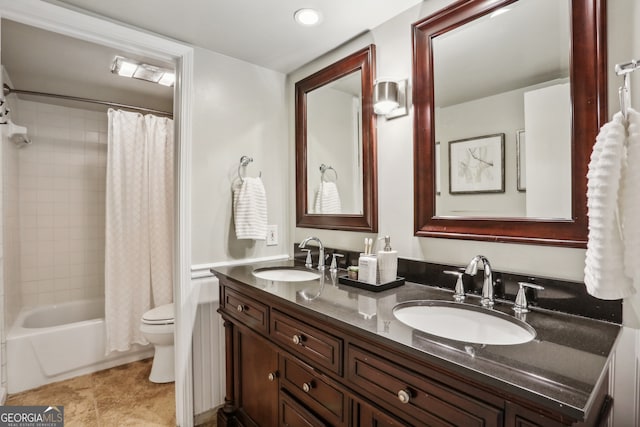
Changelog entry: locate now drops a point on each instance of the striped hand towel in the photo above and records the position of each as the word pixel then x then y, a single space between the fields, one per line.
pixel 604 263
pixel 630 200
pixel 327 200
pixel 250 209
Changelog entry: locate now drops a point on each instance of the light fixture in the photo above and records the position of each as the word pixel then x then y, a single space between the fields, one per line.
pixel 130 68
pixel 307 17
pixel 390 98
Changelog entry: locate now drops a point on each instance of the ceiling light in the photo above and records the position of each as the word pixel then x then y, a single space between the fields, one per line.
pixel 307 17
pixel 123 67
pixel 167 79
pixel 130 68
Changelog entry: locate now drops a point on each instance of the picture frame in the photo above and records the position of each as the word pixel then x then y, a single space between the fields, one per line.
pixel 476 165
pixel 521 163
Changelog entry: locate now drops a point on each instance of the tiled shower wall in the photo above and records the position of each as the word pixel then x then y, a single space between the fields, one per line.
pixel 61 202
pixel 10 296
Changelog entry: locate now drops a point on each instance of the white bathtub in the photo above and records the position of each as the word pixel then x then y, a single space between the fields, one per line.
pixel 57 342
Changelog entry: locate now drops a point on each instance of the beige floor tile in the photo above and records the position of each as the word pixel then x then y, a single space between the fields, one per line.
pixel 120 396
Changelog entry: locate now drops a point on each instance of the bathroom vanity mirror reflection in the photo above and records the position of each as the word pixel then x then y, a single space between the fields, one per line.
pixel 335 146
pixel 484 68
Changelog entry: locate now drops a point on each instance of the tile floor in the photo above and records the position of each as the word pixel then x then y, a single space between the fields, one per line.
pixel 120 396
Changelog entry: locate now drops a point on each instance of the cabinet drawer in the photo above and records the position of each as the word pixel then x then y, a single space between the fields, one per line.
pixel 294 415
pixel 247 310
pixel 319 393
pixel 310 344
pixel 419 397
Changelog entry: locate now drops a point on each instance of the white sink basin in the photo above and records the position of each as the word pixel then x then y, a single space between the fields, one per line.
pixel 463 322
pixel 285 274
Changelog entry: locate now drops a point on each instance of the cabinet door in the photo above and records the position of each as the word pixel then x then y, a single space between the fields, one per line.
pixel 293 414
pixel 256 379
pixel 365 415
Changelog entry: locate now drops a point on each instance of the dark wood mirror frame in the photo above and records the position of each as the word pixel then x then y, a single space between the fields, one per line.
pixel 588 94
pixel 363 60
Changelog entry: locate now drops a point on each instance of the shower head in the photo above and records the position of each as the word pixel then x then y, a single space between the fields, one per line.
pixel 17 134
pixel 20 139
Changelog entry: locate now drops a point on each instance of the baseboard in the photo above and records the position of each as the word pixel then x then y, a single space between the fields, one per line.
pixel 206 416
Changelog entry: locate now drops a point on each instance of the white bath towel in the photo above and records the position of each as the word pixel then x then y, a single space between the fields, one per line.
pixel 630 200
pixel 327 199
pixel 604 263
pixel 250 209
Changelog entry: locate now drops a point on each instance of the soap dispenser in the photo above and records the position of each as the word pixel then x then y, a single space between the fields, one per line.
pixel 387 262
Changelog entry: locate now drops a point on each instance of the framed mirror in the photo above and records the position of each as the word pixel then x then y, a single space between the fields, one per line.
pixel 509 96
pixel 336 171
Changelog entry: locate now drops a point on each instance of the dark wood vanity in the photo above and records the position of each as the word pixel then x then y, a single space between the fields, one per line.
pixel 288 364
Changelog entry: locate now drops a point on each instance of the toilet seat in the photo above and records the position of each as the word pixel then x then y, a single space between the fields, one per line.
pixel 161 315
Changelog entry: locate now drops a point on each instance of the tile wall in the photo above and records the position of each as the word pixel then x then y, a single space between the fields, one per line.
pixel 61 203
pixel 10 295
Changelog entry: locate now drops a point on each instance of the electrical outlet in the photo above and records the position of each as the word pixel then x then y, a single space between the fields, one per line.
pixel 272 235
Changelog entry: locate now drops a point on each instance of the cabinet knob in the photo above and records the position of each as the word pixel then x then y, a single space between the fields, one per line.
pixel 404 396
pixel 240 308
pixel 307 386
pixel 272 376
pixel 297 339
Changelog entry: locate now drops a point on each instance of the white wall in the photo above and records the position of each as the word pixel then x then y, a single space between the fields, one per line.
pixel 239 109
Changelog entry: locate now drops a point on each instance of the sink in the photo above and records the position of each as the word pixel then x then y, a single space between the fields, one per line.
pixel 463 322
pixel 286 274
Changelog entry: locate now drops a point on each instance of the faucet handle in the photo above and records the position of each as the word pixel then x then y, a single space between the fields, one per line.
pixel 308 263
pixel 334 264
pixel 521 305
pixel 458 294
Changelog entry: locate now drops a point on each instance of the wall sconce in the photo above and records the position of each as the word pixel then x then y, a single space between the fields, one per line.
pixel 390 98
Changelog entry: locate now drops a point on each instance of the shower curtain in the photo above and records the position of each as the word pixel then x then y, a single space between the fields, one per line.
pixel 139 223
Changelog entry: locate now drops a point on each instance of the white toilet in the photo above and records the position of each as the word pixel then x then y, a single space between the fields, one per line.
pixel 157 327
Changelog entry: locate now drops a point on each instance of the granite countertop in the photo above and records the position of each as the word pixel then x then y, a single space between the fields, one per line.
pixel 560 369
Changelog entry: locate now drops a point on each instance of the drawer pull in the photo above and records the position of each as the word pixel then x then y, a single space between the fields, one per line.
pixel 241 308
pixel 404 396
pixel 307 386
pixel 297 339
pixel 272 376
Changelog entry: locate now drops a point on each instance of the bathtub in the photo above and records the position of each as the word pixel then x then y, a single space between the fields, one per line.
pixel 56 342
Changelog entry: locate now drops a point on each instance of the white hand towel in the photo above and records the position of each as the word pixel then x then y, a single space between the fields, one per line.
pixel 327 199
pixel 604 263
pixel 630 200
pixel 250 209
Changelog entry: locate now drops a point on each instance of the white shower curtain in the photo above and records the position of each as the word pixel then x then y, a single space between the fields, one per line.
pixel 139 223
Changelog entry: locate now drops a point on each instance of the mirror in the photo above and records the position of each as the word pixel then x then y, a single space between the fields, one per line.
pixel 335 146
pixel 505 119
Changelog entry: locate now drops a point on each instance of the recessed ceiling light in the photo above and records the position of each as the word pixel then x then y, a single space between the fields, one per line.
pixel 307 17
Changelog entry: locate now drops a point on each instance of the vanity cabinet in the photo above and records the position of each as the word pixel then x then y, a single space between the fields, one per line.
pixel 291 366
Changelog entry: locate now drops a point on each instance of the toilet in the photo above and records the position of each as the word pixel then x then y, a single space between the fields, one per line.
pixel 157 327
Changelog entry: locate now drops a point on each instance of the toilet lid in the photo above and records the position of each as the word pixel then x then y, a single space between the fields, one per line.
pixel 161 314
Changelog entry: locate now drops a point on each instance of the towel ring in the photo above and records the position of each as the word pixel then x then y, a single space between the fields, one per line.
pixel 324 168
pixel 244 161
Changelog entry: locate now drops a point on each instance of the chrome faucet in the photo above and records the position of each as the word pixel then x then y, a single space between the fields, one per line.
pixel 487 284
pixel 303 244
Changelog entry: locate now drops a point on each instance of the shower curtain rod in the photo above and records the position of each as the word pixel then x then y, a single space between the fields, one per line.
pixel 7 91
